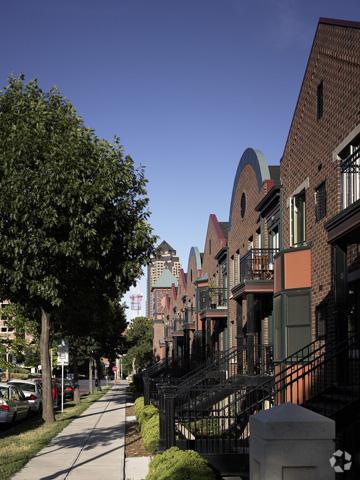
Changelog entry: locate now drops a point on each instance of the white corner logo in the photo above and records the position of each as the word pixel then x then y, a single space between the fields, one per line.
pixel 340 461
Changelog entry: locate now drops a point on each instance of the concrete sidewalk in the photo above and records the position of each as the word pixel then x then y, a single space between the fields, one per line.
pixel 90 447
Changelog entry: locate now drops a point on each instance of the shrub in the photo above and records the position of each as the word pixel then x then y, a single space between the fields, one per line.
pixel 146 413
pixel 150 432
pixel 139 406
pixel 148 419
pixel 175 464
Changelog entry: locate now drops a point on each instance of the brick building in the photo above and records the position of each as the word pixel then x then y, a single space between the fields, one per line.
pixel 160 295
pixel 212 291
pixel 290 261
pixel 164 258
pixel 320 200
pixel 252 241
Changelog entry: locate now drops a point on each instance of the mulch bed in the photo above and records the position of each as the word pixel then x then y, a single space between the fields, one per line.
pixel 130 411
pixel 134 445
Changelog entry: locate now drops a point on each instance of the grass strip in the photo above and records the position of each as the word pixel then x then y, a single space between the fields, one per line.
pixel 23 441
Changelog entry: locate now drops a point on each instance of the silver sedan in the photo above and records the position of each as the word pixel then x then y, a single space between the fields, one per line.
pixel 13 404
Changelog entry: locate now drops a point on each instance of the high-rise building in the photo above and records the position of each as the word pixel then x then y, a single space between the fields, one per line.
pixel 164 258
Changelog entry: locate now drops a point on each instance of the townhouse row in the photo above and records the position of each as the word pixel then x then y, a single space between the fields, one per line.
pixel 275 295
pixel 285 268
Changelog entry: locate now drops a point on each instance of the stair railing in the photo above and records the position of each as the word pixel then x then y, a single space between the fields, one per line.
pixel 215 418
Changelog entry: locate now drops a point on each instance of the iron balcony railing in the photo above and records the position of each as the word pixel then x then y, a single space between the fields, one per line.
pixel 351 164
pixel 350 178
pixel 258 264
pixel 212 298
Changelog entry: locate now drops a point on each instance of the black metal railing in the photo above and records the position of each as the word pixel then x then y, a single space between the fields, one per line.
pixel 258 264
pixel 350 178
pixel 215 418
pixel 211 298
pixel 351 164
pixel 149 374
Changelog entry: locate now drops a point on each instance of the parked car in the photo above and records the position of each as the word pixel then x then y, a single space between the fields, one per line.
pixel 68 388
pixel 13 404
pixel 32 391
pixel 55 390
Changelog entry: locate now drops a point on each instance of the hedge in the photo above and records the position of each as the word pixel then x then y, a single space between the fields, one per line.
pixel 150 431
pixel 148 419
pixel 176 464
pixel 146 414
pixel 139 406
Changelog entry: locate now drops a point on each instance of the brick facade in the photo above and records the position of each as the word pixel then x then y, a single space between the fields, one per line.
pixel 309 151
pixel 252 182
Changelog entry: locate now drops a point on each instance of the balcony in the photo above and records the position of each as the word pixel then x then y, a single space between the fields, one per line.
pixel 258 264
pixel 212 298
pixel 350 179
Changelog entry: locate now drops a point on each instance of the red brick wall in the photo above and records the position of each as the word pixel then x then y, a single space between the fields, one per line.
pixel 214 238
pixel 335 60
pixel 191 277
pixel 241 229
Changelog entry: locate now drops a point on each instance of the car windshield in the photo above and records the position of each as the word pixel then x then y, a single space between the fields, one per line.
pixel 4 392
pixel 28 387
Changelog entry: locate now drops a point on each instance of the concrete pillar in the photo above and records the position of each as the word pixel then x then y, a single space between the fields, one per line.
pixel 289 442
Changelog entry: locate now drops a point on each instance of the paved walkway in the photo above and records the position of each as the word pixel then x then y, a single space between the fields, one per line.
pixel 90 447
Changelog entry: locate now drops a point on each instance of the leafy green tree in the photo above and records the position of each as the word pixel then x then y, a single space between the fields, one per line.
pixel 24 344
pixel 92 330
pixel 73 210
pixel 139 340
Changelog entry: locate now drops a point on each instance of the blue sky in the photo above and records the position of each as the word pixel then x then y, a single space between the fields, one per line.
pixel 187 85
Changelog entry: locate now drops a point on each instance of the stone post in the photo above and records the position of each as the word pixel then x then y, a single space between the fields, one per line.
pixel 290 442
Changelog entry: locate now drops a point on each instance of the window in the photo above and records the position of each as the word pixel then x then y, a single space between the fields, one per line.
pixel 297 219
pixel 320 202
pixel 320 317
pixel 350 172
pixel 210 246
pixel 243 205
pixel 258 238
pixel 320 100
pixel 274 237
pixel 232 271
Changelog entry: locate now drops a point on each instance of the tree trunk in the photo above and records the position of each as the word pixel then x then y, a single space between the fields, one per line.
pixel 76 378
pixel 90 375
pixel 48 409
pixel 97 383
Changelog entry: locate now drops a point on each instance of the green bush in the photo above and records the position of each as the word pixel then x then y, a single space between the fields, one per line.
pixel 175 464
pixel 146 413
pixel 150 433
pixel 139 406
pixel 148 419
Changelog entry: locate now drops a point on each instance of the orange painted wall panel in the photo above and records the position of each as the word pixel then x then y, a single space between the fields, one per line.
pixel 297 266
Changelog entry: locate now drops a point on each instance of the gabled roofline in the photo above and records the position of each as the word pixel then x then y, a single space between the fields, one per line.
pixel 256 159
pixel 194 251
pixel 339 23
pixel 215 221
pixel 323 21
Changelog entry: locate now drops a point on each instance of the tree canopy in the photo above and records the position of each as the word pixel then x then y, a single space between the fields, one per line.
pixel 139 341
pixel 73 209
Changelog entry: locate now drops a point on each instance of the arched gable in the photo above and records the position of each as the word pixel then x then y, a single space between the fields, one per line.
pixel 256 160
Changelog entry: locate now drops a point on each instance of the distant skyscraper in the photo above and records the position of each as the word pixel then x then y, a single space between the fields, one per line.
pixel 164 258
